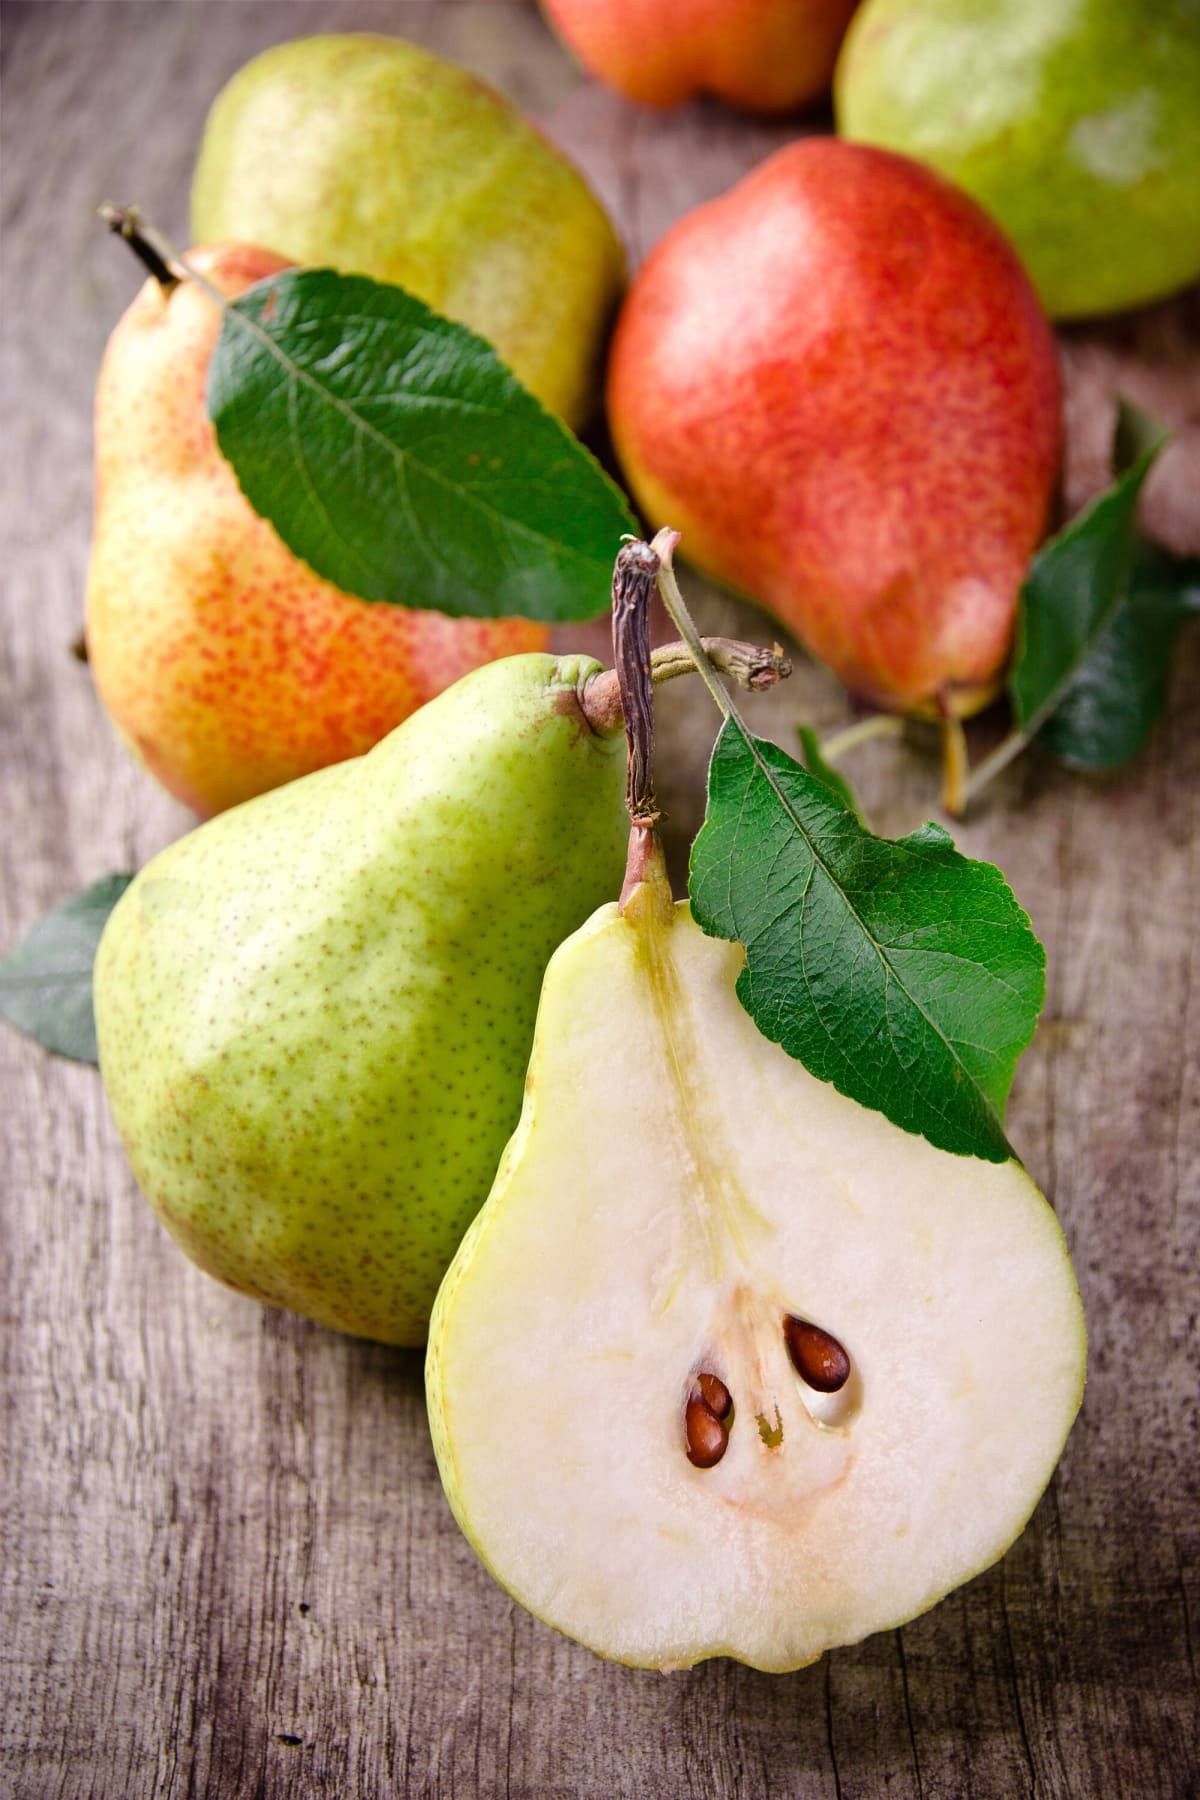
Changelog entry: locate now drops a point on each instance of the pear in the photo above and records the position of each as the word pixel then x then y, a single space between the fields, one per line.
pixel 837 381
pixel 314 1012
pixel 727 1364
pixel 379 157
pixel 225 663
pixel 768 56
pixel 1075 123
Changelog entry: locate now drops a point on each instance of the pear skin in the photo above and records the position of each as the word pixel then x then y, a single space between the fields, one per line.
pixel 383 159
pixel 225 663
pixel 314 1012
pixel 837 382
pixel 767 56
pixel 1074 123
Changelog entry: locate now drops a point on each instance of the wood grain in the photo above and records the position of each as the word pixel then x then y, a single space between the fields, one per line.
pixel 227 1566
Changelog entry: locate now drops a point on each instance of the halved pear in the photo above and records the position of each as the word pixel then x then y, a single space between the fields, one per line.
pixel 682 1200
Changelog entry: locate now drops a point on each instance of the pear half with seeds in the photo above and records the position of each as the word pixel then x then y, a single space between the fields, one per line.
pixel 728 1364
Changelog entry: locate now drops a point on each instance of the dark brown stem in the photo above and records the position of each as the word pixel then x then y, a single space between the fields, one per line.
pixel 634 579
pixel 126 222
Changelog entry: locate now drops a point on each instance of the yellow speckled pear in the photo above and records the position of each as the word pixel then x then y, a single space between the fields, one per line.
pixel 379 157
pixel 315 1011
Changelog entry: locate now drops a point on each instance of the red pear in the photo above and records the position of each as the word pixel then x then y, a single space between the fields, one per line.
pixel 765 55
pixel 837 381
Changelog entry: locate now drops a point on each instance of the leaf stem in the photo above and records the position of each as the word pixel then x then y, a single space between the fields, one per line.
pixel 1006 751
pixel 878 725
pixel 663 544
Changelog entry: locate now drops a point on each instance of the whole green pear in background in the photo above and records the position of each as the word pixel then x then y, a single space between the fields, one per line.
pixel 380 158
pixel 315 1012
pixel 1075 123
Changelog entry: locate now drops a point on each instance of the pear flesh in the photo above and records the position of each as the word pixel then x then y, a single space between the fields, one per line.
pixel 315 1012
pixel 677 1188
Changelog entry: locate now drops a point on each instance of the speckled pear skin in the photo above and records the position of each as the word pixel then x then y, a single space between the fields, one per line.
pixel 1075 123
pixel 381 158
pixel 837 382
pixel 767 56
pixel 315 1011
pixel 228 666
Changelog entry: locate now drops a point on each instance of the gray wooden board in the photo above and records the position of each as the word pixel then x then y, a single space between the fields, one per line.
pixel 228 1569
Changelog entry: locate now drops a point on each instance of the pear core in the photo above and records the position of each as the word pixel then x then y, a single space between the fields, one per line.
pixel 677 1186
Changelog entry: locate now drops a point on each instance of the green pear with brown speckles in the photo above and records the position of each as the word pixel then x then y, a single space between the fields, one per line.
pixel 1074 123
pixel 315 1012
pixel 381 158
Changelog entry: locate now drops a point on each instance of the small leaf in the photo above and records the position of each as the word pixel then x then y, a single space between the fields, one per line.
pixel 903 973
pixel 396 454
pixel 1137 435
pixel 1121 688
pixel 46 980
pixel 1071 596
pixel 823 771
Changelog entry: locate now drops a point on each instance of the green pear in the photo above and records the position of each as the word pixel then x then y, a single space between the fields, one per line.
pixel 315 1012
pixel 727 1364
pixel 1075 123
pixel 376 156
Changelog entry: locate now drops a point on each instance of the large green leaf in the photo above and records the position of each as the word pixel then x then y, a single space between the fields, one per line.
pixel 402 460
pixel 901 972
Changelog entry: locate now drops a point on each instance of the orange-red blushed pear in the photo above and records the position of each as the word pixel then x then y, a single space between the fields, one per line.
pixel 227 665
pixel 838 383
pixel 764 55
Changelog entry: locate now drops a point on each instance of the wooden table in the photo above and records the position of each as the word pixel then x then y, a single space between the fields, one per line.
pixel 228 1569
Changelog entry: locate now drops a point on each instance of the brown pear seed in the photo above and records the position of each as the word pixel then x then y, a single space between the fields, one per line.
pixel 716 1395
pixel 706 1438
pixel 816 1355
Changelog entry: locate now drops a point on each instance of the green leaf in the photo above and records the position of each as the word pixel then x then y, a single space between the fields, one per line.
pixel 396 454
pixel 1137 435
pixel 46 980
pixel 1074 591
pixel 901 972
pixel 1071 596
pixel 1121 687
pixel 823 771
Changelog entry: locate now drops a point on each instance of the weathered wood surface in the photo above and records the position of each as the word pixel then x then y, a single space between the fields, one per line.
pixel 228 1569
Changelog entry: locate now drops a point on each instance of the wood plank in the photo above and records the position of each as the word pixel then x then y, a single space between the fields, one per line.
pixel 227 1567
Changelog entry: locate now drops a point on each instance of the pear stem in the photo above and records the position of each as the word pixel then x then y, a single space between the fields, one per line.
pixel 1006 751
pixel 126 222
pixel 634 576
pixel 749 666
pixel 168 266
pixel 956 765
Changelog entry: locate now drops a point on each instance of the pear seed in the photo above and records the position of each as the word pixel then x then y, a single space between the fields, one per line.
pixel 816 1355
pixel 705 1436
pixel 716 1395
